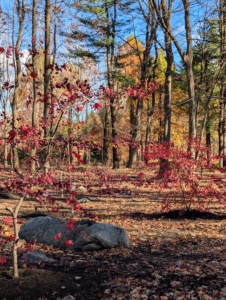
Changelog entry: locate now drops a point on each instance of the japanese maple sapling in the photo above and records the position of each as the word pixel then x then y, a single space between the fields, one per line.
pixel 196 182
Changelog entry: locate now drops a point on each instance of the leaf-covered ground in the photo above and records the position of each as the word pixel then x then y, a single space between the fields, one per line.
pixel 172 255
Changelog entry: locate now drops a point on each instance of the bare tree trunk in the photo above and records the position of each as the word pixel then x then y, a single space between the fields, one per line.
pixel 105 139
pixel 151 28
pixel 20 7
pixel 106 113
pixel 161 123
pixel 208 139
pixel 166 12
pixel 115 156
pixel 222 121
pixel 168 75
pixel 150 112
pixel 150 109
pixel 110 32
pixel 187 58
pixel 35 121
pixel 47 80
pixel 47 70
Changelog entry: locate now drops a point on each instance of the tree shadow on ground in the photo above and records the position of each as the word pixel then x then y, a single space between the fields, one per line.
pixel 153 266
pixel 178 214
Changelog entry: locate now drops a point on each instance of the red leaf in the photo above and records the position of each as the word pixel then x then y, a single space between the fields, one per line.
pixel 2 50
pixel 77 206
pixel 12 134
pixel 32 75
pixel 96 106
pixel 68 243
pixel 3 260
pixel 70 225
pixel 48 180
pixel 78 157
pixel 92 216
pixel 9 51
pixel 79 108
pixel 7 221
pixel 57 236
pixel 10 238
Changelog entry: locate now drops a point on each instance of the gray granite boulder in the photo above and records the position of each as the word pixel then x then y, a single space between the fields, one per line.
pixel 83 235
pixel 101 235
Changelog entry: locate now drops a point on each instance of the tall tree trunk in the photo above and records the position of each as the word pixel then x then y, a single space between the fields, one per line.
pixel 150 112
pixel 208 139
pixel 222 121
pixel 168 73
pixel 110 32
pixel 35 121
pixel 188 62
pixel 108 71
pixel 20 7
pixel 187 58
pixel 70 139
pixel 150 109
pixel 111 84
pixel 105 139
pixel 166 11
pixel 115 155
pixel 136 125
pixel 47 80
pixel 47 70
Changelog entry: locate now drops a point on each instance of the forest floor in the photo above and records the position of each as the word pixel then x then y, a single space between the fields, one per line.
pixel 172 255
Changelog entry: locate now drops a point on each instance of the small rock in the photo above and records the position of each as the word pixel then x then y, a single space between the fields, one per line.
pixel 78 188
pixel 36 257
pixel 84 200
pixel 69 297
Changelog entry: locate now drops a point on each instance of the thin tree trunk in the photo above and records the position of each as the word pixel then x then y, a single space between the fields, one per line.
pixel 20 6
pixel 105 139
pixel 208 139
pixel 47 70
pixel 222 121
pixel 14 214
pixel 34 63
pixel 115 156
pixel 150 110
pixel 47 80
pixel 188 62
pixel 106 113
pixel 166 10
pixel 168 74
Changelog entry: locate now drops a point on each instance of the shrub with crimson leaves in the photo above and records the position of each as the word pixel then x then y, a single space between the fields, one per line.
pixel 195 183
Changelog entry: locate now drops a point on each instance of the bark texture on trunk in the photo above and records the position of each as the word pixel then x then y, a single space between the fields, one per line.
pixel 47 70
pixel 151 27
pixel 222 121
pixel 47 89
pixel 20 8
pixel 35 71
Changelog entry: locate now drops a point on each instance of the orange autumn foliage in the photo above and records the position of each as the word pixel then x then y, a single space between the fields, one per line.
pixel 130 56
